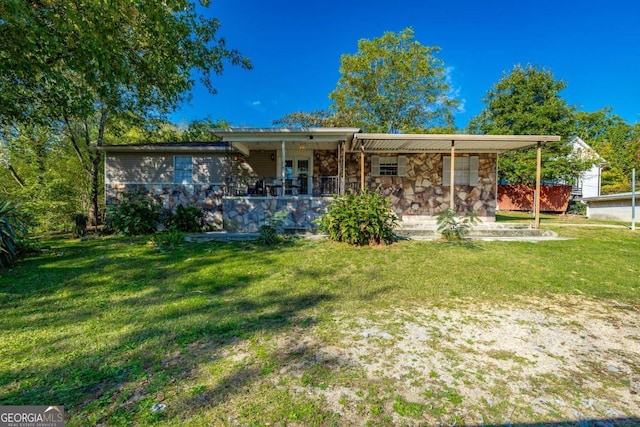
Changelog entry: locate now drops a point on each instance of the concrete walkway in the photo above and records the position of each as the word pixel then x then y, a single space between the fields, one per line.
pixel 223 236
pixel 497 231
pixel 573 224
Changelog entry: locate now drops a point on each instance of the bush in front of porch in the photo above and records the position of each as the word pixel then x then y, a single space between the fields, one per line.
pixel 360 219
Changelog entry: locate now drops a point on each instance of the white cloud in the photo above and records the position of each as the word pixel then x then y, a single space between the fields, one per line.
pixel 454 92
pixel 256 105
pixel 461 106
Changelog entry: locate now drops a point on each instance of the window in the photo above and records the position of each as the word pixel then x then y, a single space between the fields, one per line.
pixel 388 166
pixel 182 169
pixel 466 171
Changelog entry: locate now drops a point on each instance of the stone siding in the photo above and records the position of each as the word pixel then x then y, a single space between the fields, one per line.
pixel 325 172
pixel 421 192
pixel 247 214
pixel 325 163
pixel 205 196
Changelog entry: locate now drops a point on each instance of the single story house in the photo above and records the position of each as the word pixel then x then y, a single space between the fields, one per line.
pixel 251 173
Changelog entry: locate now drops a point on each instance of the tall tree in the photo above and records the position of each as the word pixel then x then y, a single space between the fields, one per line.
pixel 64 57
pixel 316 118
pixel 598 126
pixel 617 141
pixel 527 101
pixel 394 84
pixel 43 174
pixel 85 63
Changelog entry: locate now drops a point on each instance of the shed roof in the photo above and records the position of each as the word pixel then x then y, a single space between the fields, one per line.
pixel 610 197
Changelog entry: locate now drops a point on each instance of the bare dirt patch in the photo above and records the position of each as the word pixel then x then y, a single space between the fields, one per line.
pixel 567 359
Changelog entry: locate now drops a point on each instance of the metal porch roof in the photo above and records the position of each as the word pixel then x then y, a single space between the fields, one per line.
pixel 441 143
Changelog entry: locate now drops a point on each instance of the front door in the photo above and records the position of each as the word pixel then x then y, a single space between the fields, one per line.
pixel 297 175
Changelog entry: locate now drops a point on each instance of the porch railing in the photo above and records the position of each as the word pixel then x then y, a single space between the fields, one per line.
pixel 326 185
pixel 274 186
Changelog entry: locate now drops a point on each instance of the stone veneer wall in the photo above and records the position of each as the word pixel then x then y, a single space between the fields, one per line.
pixel 205 196
pixel 325 163
pixel 421 192
pixel 247 214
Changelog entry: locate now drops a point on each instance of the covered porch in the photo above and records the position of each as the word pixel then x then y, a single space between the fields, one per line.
pixel 465 179
pixel 292 170
pixel 423 174
pixel 287 162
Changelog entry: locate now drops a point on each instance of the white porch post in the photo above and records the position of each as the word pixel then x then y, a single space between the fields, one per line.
pixel 344 167
pixel 283 167
pixel 537 194
pixel 452 192
pixel 361 166
pixel 339 177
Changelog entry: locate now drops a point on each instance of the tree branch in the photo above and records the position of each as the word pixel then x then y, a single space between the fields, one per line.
pixel 101 126
pixel 74 144
pixel 15 175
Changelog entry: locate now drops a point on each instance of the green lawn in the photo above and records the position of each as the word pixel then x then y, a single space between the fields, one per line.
pixel 110 326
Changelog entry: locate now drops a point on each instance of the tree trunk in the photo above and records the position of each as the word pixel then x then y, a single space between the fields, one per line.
pixel 96 157
pixel 94 191
pixel 90 157
pixel 41 155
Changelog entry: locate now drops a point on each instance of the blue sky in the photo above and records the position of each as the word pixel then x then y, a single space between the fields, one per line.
pixel 295 48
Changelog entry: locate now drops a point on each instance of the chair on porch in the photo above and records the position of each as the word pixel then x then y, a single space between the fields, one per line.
pixel 276 189
pixel 258 189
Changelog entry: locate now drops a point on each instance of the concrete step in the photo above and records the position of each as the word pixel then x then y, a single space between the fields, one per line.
pixel 417 232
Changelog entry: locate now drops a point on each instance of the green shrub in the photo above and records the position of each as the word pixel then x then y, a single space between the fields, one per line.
pixel 269 235
pixel 453 227
pixel 359 219
pixel 137 214
pixel 577 207
pixel 187 219
pixel 271 232
pixel 12 232
pixel 168 238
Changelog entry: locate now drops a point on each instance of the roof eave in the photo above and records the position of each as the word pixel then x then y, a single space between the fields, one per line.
pixel 286 134
pixel 177 148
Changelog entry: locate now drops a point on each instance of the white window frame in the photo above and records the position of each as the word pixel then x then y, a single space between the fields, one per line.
pixel 466 172
pixel 389 165
pixel 183 169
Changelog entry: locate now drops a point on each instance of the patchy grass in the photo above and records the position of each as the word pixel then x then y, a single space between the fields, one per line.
pixel 242 334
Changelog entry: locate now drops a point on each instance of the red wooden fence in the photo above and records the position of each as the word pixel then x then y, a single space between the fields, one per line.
pixel 555 198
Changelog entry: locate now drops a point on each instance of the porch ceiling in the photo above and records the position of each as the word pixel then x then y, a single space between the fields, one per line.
pixel 435 143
